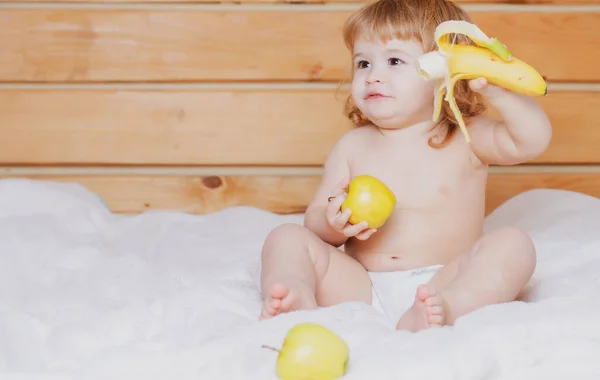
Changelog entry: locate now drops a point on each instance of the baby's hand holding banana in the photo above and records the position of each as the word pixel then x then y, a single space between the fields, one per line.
pixel 489 59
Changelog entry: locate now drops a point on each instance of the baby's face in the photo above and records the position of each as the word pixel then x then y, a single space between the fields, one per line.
pixel 386 86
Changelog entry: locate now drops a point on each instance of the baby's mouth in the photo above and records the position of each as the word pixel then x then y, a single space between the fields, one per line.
pixel 374 95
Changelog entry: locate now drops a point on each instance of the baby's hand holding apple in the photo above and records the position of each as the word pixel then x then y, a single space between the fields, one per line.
pixel 338 220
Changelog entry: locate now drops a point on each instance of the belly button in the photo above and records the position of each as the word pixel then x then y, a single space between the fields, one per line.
pixel 394 257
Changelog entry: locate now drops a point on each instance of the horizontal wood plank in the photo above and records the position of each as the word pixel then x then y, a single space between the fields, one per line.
pixel 280 194
pixel 295 127
pixel 83 45
pixel 221 127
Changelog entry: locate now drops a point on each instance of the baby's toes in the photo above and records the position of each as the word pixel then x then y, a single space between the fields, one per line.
pixel 434 310
pixel 274 305
pixel 278 291
pixel 435 320
pixel 433 301
pixel 270 308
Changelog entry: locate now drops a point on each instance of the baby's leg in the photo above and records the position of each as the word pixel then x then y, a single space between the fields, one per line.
pixel 300 271
pixel 494 271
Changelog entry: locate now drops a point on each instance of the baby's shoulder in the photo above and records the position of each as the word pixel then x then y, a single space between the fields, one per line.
pixel 348 144
pixel 355 137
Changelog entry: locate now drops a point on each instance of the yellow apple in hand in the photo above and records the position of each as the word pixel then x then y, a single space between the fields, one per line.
pixel 370 200
pixel 311 351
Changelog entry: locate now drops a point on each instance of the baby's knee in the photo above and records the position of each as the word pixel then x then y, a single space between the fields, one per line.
pixel 515 237
pixel 288 233
pixel 292 238
pixel 518 245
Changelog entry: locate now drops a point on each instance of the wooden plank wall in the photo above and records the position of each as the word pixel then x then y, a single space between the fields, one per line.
pixel 195 105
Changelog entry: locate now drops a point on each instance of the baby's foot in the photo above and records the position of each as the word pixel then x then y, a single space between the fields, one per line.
pixel 427 311
pixel 282 299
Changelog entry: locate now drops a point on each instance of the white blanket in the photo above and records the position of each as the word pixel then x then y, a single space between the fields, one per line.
pixel 86 294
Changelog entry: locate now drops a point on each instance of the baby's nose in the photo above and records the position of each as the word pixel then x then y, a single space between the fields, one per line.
pixel 375 76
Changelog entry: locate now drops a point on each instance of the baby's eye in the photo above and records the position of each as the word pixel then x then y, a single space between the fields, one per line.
pixel 395 61
pixel 362 64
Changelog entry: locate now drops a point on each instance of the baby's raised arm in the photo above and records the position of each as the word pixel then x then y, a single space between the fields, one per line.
pixel 523 133
pixel 322 215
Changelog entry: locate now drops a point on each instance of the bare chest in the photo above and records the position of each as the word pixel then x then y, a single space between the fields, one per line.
pixel 420 177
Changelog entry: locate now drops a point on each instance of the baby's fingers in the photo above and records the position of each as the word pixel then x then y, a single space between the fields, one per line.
pixel 354 230
pixel 364 235
pixel 334 206
pixel 338 222
pixel 340 188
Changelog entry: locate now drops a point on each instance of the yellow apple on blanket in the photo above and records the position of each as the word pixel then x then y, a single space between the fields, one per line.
pixel 311 351
pixel 369 200
pixel 488 58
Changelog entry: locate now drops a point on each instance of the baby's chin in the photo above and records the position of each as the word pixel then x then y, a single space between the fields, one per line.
pixel 395 123
pixel 392 118
pixel 388 121
pixel 382 116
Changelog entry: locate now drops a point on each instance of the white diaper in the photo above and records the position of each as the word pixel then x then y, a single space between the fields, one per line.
pixel 394 292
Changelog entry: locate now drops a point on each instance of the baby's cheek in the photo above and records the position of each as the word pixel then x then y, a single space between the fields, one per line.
pixel 423 92
pixel 356 92
pixel 416 95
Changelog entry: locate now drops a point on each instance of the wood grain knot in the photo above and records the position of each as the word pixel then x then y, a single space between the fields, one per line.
pixel 212 182
pixel 316 70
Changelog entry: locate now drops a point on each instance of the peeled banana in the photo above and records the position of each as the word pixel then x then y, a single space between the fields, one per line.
pixel 489 59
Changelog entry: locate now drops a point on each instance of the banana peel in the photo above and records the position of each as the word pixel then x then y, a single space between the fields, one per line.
pixel 489 58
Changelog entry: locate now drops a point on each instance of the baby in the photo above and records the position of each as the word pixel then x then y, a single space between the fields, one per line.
pixel 431 263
